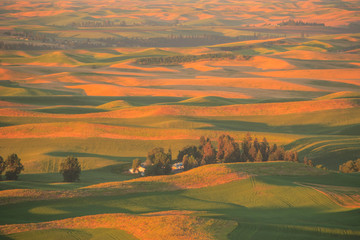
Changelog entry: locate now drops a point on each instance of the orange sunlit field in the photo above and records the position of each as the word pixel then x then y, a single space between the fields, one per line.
pixel 122 87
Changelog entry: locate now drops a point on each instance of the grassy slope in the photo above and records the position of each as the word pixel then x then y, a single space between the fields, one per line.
pixel 261 205
pixel 73 234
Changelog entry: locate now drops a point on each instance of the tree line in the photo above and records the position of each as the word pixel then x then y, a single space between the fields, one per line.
pixel 171 60
pixel 292 22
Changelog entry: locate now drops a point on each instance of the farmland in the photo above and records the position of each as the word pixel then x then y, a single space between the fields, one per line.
pixel 108 81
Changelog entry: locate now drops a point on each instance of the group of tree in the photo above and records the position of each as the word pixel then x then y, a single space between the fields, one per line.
pixel 228 150
pixel 28 46
pixel 292 22
pixel 31 35
pixel 255 151
pixel 96 24
pixel 171 60
pixel 12 165
pixel 350 166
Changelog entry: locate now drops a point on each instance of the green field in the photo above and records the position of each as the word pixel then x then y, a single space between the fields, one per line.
pixel 274 202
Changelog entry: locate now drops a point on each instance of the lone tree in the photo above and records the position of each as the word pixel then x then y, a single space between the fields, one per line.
pixel 2 166
pixel 13 166
pixel 70 169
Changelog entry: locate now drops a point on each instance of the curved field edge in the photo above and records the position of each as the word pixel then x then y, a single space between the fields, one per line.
pixel 72 234
pixel 170 225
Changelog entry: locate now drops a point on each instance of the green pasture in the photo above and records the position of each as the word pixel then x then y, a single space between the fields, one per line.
pixel 268 204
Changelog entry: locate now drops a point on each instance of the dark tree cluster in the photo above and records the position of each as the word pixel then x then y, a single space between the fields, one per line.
pixel 255 151
pixel 350 166
pixel 228 150
pixel 292 22
pixel 12 165
pixel 95 24
pixel 31 35
pixel 193 156
pixel 171 60
pixel 158 162
pixel 27 46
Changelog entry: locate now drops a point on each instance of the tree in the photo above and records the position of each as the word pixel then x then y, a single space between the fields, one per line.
pixel 291 156
pixel 203 141
pixel 228 149
pixel 190 150
pixel 158 162
pixel 13 166
pixel 2 166
pixel 308 162
pixel 70 168
pixel 209 154
pixel 305 160
pixel 190 162
pixel 136 164
pixel 259 157
pixel 279 153
pixel 265 149
pixel 357 164
pixel 245 146
pixel 252 153
pixel 271 157
pixel 256 145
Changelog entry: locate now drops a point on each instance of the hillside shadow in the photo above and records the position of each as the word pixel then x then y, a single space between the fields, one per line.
pixel 82 154
pixel 54 180
pixel 4 237
pixel 308 129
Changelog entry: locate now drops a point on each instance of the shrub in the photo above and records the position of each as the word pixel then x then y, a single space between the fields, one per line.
pixel 350 166
pixel 70 168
